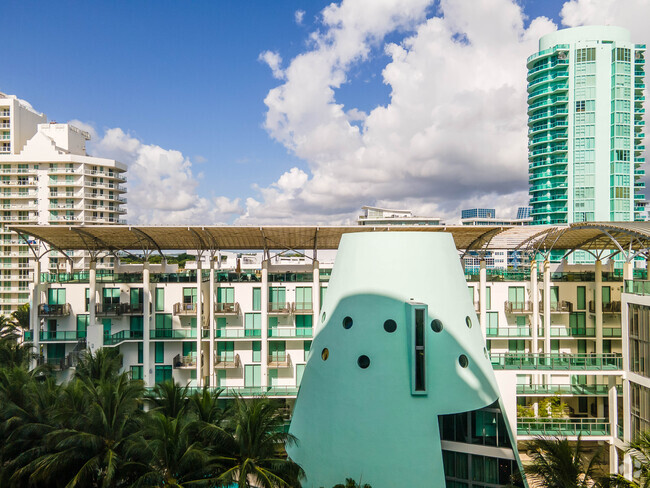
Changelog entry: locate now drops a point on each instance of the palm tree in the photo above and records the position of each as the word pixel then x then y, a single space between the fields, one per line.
pixel 171 455
pixel 350 483
pixel 639 448
pixel 205 406
pixel 558 464
pixel 169 397
pixel 89 450
pixel 251 445
pixel 20 316
pixel 100 366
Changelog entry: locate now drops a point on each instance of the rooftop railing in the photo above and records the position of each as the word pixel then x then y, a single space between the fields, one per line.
pixel 563 427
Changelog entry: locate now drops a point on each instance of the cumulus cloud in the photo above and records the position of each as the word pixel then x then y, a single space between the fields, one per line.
pixel 161 187
pixel 299 15
pixel 454 131
pixel 274 61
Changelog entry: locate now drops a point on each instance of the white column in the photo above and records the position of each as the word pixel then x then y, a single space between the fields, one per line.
pixel 534 299
pixel 34 320
pixel 315 296
pixel 547 306
pixel 628 271
pixel 92 292
pixel 482 296
pixel 147 365
pixel 211 358
pixel 598 302
pixel 265 322
pixel 613 424
pixel 199 315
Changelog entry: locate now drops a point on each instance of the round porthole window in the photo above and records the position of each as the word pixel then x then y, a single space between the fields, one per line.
pixel 325 354
pixel 463 361
pixel 363 361
pixel 468 321
pixel 436 325
pixel 390 325
pixel 347 322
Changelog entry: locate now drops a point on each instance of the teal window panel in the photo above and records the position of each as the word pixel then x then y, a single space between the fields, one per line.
pixel 252 375
pixel 226 350
pixel 82 325
pixel 257 299
pixel 136 323
pixel 159 348
pixel 521 321
pixel 160 299
pixel 163 373
pixel 136 373
pixel 106 323
pixel 253 321
pixel 273 322
pixel 304 296
pixel 306 346
pixel 56 296
pixel 581 303
pixel 110 296
pixel 221 322
pixel 221 378
pixel 492 319
pixel 87 299
pixel 277 294
pixel 225 295
pixel 257 351
pixel 140 352
pixel 136 296
pixel 607 295
pixel 189 295
pixel 488 298
pixel 189 348
pixel 300 370
pixel 163 321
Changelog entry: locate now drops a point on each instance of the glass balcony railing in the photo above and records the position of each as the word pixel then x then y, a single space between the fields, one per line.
pixel 225 333
pixel 252 391
pixel 637 287
pixel 580 390
pixel 563 427
pixel 508 332
pixel 63 335
pixel 570 362
pixel 124 335
pixel 173 334
pixel 290 332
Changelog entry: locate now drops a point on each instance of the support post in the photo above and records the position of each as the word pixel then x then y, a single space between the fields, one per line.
pixel 211 309
pixel 628 271
pixel 598 301
pixel 315 296
pixel 534 300
pixel 199 323
pixel 547 305
pixel 34 320
pixel 482 296
pixel 147 368
pixel 613 424
pixel 265 322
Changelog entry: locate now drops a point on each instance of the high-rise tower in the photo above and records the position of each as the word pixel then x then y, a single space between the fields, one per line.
pixel 585 126
pixel 47 178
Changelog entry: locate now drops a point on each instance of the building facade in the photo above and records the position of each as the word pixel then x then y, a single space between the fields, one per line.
pixel 585 126
pixel 386 216
pixel 46 177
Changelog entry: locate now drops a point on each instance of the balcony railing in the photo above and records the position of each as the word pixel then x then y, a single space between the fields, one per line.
pixel 226 308
pixel 62 335
pixel 303 307
pixel 252 391
pixel 227 361
pixel 611 307
pixel 124 335
pixel 560 331
pixel 552 361
pixel 237 333
pixel 173 334
pixel 185 308
pixel 581 390
pixel 184 362
pixel 291 332
pixel 518 307
pixel 45 310
pixel 563 427
pixel 280 308
pixel 558 307
pixel 279 360
pixel 508 332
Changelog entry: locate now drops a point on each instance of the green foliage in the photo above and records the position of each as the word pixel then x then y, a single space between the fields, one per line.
pixel 92 431
pixel 525 412
pixel 558 463
pixel 553 407
pixel 350 483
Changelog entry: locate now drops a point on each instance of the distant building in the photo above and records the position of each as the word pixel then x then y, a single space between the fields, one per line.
pixel 487 216
pixel 482 213
pixel 387 216
pixel 523 212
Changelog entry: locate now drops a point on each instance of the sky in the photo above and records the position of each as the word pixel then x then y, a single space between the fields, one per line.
pixel 296 112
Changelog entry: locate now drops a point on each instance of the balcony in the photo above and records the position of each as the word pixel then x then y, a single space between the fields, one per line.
pixel 253 391
pixel 185 308
pixel 283 332
pixel 122 336
pixel 172 334
pixel 563 427
pixel 280 308
pixel 184 362
pixel 611 307
pixel 580 390
pixel 568 362
pixel 56 364
pixel 508 332
pixel 62 335
pixel 227 361
pixel 45 310
pixel 518 307
pixel 237 333
pixel 560 331
pixel 558 307
pixel 226 308
pixel 279 360
pixel 107 309
pixel 303 307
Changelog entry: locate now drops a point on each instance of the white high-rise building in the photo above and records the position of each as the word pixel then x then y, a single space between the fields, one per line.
pixel 46 177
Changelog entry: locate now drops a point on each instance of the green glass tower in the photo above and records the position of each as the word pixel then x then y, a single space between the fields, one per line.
pixel 585 126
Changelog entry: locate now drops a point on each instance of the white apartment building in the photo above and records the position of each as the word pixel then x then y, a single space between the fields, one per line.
pixel 47 178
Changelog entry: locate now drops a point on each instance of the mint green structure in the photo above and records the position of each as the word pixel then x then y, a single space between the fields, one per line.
pixel 585 126
pixel 388 295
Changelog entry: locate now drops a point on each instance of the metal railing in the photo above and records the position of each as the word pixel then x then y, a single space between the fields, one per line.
pixel 226 308
pixel 290 332
pixel 597 389
pixel 279 360
pixel 518 307
pixel 62 335
pixel 281 308
pixel 559 307
pixel 227 361
pixel 237 333
pixel 172 334
pixel 185 308
pixel 610 307
pixel 181 362
pixel 563 427
pixel 508 332
pixel 45 310
pixel 553 361
pixel 124 335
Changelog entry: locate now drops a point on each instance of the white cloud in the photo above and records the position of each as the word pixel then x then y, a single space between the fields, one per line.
pixel 161 187
pixel 299 15
pixel 454 131
pixel 274 61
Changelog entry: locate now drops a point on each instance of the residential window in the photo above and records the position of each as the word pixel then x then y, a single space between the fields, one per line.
pixel 257 351
pixel 225 295
pixel 581 301
pixel 110 296
pixel 189 295
pixel 159 352
pixel 257 299
pixel 160 299
pixel 163 373
pixel 252 375
pixel 82 325
pixel 56 296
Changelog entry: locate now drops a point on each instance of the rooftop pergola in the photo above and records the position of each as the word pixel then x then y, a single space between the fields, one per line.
pixel 628 238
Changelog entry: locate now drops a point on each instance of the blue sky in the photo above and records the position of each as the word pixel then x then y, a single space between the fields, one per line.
pixel 187 76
